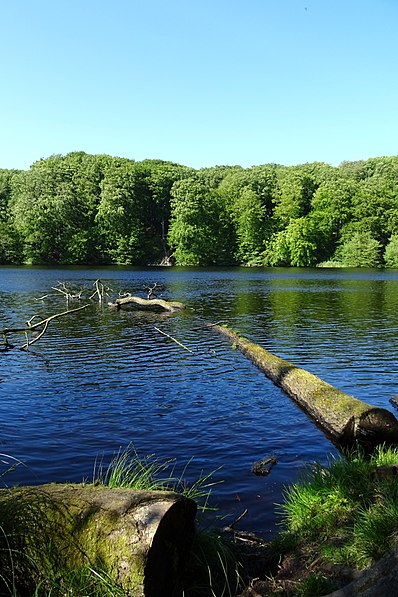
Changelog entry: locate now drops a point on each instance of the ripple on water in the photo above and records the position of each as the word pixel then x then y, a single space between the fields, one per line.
pixel 101 378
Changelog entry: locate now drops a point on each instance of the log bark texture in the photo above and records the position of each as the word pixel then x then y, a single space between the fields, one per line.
pixel 150 304
pixel 343 418
pixel 139 538
pixel 381 580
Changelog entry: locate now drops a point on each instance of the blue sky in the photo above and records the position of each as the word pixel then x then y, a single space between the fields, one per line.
pixel 199 82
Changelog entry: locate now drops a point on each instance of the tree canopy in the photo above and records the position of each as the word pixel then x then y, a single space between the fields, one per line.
pixel 91 209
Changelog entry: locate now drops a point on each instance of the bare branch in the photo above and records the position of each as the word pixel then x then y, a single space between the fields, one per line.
pixel 27 344
pixel 174 340
pixel 100 290
pixel 151 290
pixel 31 327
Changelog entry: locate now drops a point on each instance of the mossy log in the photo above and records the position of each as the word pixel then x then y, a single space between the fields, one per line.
pixel 344 419
pixel 148 304
pixel 139 539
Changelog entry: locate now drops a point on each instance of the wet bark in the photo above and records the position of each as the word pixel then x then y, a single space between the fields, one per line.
pixel 343 418
pixel 139 538
pixel 149 304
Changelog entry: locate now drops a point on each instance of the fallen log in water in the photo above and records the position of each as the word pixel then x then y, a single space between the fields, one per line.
pixel 153 304
pixel 139 539
pixel 343 418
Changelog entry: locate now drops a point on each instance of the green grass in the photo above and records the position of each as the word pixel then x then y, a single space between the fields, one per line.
pixel 129 470
pixel 213 569
pixel 346 509
pixel 313 585
pixel 83 582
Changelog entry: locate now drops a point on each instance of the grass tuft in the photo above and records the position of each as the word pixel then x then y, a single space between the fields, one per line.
pixel 347 513
pixel 129 470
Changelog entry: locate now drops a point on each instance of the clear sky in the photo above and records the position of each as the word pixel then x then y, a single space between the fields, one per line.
pixel 199 82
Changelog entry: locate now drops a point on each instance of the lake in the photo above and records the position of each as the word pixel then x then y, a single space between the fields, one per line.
pixel 102 379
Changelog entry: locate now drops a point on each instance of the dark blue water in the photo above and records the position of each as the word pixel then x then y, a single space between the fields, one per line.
pixel 101 379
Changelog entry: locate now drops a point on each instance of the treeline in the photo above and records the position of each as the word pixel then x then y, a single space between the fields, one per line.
pixel 97 209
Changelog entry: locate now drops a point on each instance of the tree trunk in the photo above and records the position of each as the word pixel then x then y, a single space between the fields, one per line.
pixel 344 419
pixel 138 538
pixel 148 304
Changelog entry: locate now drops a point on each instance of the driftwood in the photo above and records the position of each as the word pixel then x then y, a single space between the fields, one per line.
pixel 139 539
pixel 151 290
pixel 77 294
pixel 344 419
pixel 40 328
pixel 149 304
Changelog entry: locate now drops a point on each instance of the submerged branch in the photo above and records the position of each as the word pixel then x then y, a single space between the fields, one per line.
pixel 44 323
pixel 174 340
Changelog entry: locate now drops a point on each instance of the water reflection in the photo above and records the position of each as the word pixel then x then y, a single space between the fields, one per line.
pixel 103 378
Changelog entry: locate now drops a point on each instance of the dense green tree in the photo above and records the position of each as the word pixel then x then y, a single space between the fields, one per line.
pixel 160 178
pixel 54 206
pixel 214 176
pixel 331 211
pixel 294 192
pixel 375 207
pixel 249 217
pixel 391 252
pixel 120 213
pixel 201 231
pixel 277 252
pixel 82 208
pixel 259 179
pixel 360 250
pixel 249 198
pixel 293 246
pixel 43 214
pixel 11 250
pixel 5 193
pixel 10 242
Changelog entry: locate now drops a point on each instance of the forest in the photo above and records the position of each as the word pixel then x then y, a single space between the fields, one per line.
pixel 98 209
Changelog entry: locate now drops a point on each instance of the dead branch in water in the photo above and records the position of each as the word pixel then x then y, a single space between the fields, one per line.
pixel 101 291
pixel 72 293
pixel 29 327
pixel 151 290
pixel 174 340
pixel 67 292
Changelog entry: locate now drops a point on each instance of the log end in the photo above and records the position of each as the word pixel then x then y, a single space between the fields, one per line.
pixel 140 538
pixel 376 426
pixel 170 547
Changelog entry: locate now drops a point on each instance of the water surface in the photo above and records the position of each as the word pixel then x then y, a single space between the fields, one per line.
pixel 100 379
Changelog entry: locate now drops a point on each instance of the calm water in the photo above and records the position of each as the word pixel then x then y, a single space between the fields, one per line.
pixel 101 379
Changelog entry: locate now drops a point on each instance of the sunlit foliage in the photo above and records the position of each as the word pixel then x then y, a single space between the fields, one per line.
pixel 87 209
